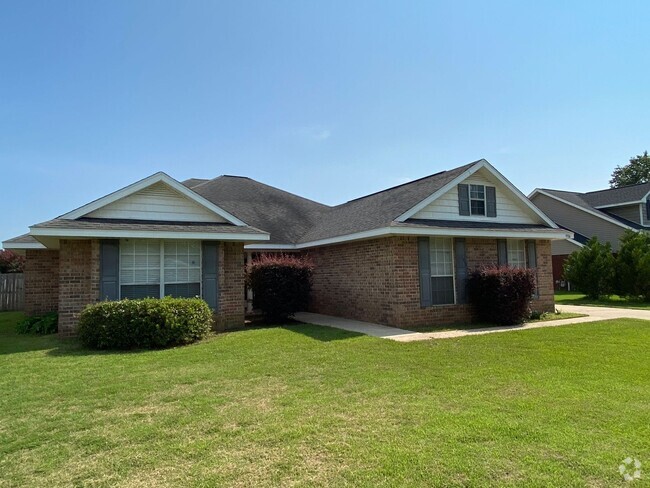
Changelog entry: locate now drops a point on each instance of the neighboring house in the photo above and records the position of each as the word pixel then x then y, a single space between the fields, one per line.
pixel 606 214
pixel 398 257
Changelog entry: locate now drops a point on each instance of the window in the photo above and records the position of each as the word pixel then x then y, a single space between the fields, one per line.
pixel 442 270
pixel 144 274
pixel 517 253
pixel 477 199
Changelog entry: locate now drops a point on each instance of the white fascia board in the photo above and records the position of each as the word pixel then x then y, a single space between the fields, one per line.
pixel 572 241
pixel 146 234
pixel 502 179
pixel 22 245
pixel 586 210
pixel 555 234
pixel 624 204
pixel 144 183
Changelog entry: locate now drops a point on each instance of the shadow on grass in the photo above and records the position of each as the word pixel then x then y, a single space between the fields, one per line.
pixel 320 332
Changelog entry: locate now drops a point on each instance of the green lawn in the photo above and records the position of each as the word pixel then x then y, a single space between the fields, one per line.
pixel 575 298
pixel 314 406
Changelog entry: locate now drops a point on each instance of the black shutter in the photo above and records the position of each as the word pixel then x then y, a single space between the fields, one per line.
pixel 531 257
pixel 460 257
pixel 210 271
pixel 109 269
pixel 502 252
pixel 425 271
pixel 490 201
pixel 463 199
pixel 647 212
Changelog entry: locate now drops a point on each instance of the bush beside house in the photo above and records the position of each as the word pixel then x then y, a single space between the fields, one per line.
pixel 281 284
pixel 10 262
pixel 502 294
pixel 595 271
pixel 150 323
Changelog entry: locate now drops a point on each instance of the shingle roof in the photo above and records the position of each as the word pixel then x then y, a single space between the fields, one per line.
pixel 22 239
pixel 284 215
pixel 379 209
pixel 615 196
pixel 146 225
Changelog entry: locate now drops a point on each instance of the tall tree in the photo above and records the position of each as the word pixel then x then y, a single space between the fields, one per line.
pixel 636 171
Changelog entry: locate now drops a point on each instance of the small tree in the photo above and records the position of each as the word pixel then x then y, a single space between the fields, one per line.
pixel 281 284
pixel 591 269
pixel 502 295
pixel 633 265
pixel 636 171
pixel 10 262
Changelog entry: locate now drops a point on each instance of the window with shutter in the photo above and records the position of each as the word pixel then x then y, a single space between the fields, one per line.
pixel 442 270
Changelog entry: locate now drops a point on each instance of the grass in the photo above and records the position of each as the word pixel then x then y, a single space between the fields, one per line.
pixel 575 298
pixel 315 406
pixel 546 317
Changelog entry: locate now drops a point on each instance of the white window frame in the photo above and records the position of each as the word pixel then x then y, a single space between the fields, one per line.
pixel 484 200
pixel 162 268
pixel 453 269
pixel 509 249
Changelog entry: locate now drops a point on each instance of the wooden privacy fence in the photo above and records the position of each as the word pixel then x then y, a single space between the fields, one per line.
pixel 12 291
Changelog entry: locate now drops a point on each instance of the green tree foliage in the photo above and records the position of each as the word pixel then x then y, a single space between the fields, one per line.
pixel 636 171
pixel 591 269
pixel 633 265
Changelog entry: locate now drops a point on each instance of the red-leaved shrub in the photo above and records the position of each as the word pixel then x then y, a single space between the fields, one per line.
pixel 10 262
pixel 502 294
pixel 281 284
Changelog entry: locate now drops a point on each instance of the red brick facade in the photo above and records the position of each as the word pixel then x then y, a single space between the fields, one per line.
pixel 41 281
pixel 378 281
pixel 232 303
pixel 78 281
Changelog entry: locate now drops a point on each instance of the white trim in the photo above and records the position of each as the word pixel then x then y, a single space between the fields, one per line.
pixel 144 183
pixel 572 241
pixel 463 176
pixel 554 234
pixel 22 245
pixel 146 234
pixel 586 210
pixel 624 204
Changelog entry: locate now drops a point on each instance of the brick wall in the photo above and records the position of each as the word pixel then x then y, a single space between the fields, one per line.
pixel 378 281
pixel 78 281
pixel 41 281
pixel 232 303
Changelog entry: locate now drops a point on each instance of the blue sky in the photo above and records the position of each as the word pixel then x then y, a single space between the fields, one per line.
pixel 330 100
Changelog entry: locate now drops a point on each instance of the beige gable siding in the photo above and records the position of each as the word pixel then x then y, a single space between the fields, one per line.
pixel 629 212
pixel 579 221
pixel 563 247
pixel 157 202
pixel 509 208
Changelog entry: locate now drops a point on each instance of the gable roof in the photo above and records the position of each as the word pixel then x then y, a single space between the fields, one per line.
pixel 159 177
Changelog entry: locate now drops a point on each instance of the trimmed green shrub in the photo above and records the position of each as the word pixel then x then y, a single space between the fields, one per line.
pixel 281 284
pixel 41 324
pixel 150 323
pixel 633 265
pixel 502 294
pixel 591 269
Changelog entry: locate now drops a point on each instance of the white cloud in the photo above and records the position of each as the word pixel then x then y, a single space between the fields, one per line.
pixel 313 133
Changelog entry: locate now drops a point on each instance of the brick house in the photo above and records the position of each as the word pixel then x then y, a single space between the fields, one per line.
pixel 398 257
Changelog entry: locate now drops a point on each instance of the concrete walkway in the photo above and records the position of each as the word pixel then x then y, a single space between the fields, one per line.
pixel 384 332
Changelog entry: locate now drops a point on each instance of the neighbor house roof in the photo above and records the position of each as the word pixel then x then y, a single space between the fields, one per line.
pixel 617 196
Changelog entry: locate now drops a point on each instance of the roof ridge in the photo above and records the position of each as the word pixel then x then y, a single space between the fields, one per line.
pixel 618 188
